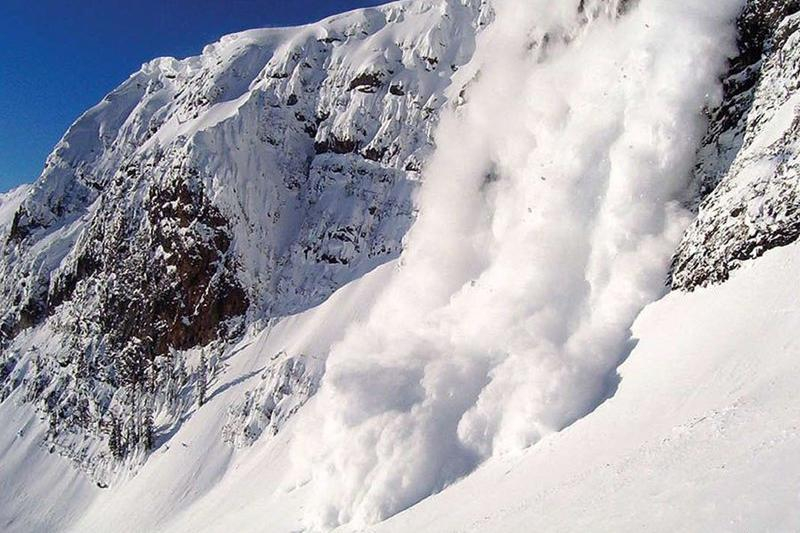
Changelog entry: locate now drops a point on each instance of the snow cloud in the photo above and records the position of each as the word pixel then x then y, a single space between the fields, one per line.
pixel 547 221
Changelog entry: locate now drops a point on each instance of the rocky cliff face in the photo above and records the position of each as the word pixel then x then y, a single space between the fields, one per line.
pixel 211 194
pixel 750 161
pixel 207 196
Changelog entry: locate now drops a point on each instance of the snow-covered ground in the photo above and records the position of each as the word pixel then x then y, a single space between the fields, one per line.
pixel 42 492
pixel 702 434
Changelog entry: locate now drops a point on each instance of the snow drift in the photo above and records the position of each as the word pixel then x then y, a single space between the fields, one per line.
pixel 547 221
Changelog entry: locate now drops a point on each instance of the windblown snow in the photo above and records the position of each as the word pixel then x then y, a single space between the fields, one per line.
pixel 547 222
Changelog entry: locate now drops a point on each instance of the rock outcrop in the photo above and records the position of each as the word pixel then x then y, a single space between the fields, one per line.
pixel 749 169
pixel 209 195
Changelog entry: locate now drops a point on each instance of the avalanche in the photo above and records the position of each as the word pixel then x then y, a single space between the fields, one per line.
pixel 215 274
pixel 540 238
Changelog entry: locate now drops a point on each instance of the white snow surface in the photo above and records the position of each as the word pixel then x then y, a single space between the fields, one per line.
pixel 702 435
pixel 9 203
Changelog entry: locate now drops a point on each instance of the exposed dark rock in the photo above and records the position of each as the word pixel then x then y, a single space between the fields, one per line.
pixel 336 145
pixel 375 154
pixel 367 82
pixel 194 288
pixel 396 89
pixel 744 212
pixel 19 229
pixel 63 287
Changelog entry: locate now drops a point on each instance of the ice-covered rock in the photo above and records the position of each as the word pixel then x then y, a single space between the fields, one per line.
pixel 208 195
pixel 749 167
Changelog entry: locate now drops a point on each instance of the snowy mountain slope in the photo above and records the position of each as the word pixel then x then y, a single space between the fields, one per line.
pixel 172 324
pixel 9 203
pixel 702 434
pixel 193 462
pixel 208 195
pixel 289 119
pixel 39 491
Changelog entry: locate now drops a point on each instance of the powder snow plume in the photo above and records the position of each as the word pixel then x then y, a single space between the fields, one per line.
pixel 547 220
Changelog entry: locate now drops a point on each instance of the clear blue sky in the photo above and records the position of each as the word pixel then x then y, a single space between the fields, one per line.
pixel 58 58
